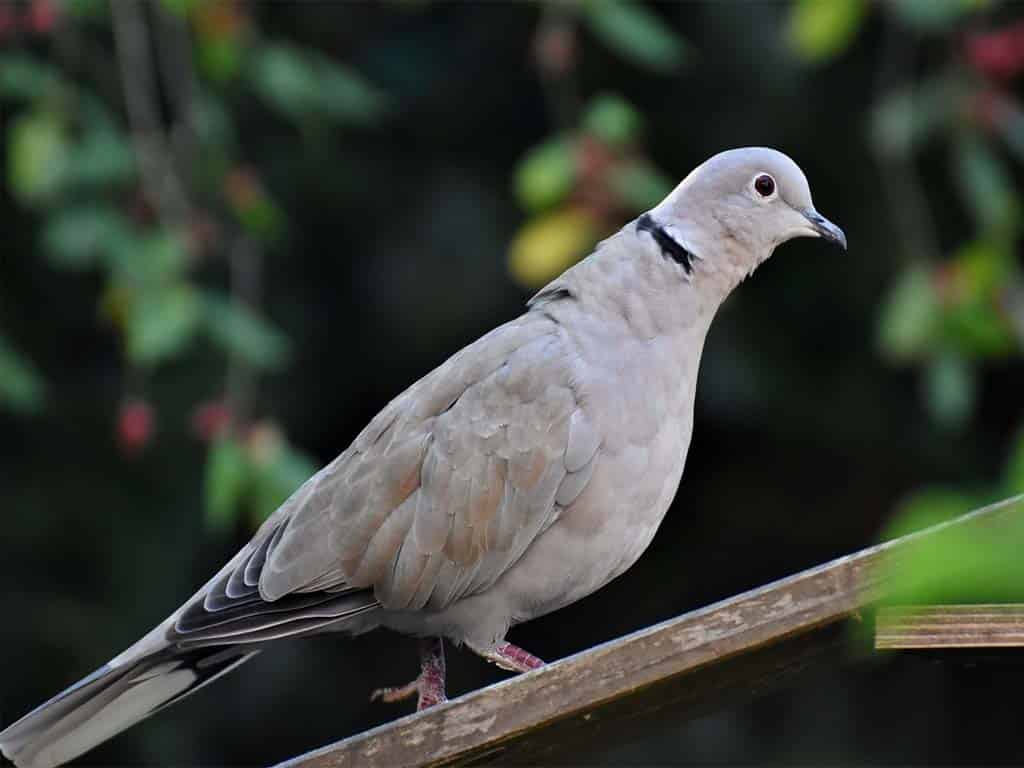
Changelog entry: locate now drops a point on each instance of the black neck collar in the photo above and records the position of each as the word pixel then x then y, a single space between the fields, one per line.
pixel 670 249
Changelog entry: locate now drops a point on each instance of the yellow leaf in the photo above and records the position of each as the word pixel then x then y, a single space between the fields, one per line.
pixel 547 245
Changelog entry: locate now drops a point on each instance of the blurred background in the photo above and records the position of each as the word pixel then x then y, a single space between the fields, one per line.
pixel 231 232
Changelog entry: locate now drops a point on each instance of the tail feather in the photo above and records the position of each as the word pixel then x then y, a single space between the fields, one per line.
pixel 110 700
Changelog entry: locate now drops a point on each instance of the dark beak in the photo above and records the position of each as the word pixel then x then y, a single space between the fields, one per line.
pixel 826 229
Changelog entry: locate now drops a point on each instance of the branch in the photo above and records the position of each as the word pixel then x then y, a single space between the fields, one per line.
pixel 160 183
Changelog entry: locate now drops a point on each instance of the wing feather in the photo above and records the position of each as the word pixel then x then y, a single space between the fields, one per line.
pixel 435 499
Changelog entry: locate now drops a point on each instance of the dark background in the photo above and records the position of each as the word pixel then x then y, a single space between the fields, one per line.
pixel 807 436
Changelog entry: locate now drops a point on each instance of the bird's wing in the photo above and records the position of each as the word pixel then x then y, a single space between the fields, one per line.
pixel 434 500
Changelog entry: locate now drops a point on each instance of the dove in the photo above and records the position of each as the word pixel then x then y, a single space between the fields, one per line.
pixel 527 471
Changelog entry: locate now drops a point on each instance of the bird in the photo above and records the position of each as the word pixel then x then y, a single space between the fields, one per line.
pixel 524 473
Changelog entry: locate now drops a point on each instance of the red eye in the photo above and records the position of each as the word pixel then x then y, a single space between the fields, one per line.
pixel 765 185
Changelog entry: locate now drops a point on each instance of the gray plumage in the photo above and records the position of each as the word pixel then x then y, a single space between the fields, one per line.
pixel 524 473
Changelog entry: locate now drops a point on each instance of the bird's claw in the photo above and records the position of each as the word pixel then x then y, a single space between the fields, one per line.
pixel 428 688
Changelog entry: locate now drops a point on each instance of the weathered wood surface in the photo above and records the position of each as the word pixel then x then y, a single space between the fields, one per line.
pixel 949 626
pixel 681 663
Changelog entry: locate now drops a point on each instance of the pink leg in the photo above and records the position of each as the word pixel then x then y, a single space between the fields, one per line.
pixel 429 686
pixel 513 658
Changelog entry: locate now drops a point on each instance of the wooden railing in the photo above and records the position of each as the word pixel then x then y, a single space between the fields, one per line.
pixel 682 665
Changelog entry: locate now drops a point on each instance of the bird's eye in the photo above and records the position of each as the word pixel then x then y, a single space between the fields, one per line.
pixel 765 185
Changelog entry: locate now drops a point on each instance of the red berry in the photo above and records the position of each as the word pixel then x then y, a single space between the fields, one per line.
pixel 210 419
pixel 42 16
pixel 8 21
pixel 135 425
pixel 998 54
pixel 555 49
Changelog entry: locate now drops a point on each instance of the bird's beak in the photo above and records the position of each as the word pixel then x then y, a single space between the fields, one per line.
pixel 825 228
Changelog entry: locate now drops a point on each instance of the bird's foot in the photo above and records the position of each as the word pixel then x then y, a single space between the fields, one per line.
pixel 513 658
pixel 428 687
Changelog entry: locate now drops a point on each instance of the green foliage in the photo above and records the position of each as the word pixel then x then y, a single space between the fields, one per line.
pixel 37 157
pixel 82 236
pixel 255 475
pixel 148 260
pixel 950 389
pixel 227 476
pixel 88 10
pixel 546 174
pixel 820 30
pixel 277 475
pixel 635 33
pixel 303 85
pixel 904 120
pixel 26 78
pixel 986 185
pixel 612 119
pixel 161 322
pixel 934 15
pixel 21 388
pixel 1014 475
pixel 181 7
pixel 976 565
pixel 101 158
pixel 241 332
pixel 640 185
pixel 911 316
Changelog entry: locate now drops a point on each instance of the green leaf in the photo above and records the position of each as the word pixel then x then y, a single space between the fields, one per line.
pixel 635 33
pixel 147 261
pixel 181 8
pixel 640 186
pixel 613 120
pixel 977 329
pixel 302 85
pixel 227 478
pixel 933 15
pixel 243 333
pixel 278 479
pixel 221 57
pixel 161 323
pixel 950 389
pixel 974 565
pixel 1015 467
pixel 87 9
pixel 24 77
pixel 101 158
pixel 985 182
pixel 37 157
pixel 911 316
pixel 80 236
pixel 904 120
pixel 286 79
pixel 545 175
pixel 21 387
pixel 346 96
pixel 819 30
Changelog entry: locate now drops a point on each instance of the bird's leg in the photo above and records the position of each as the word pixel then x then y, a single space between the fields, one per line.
pixel 513 658
pixel 429 686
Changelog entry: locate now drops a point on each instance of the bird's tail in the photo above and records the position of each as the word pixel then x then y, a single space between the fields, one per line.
pixel 111 699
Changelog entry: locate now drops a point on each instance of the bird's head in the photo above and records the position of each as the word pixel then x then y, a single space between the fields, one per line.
pixel 734 209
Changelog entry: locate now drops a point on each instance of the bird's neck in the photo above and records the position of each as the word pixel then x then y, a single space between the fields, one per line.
pixel 641 286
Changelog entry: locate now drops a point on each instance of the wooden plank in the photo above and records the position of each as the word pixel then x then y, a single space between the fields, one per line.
pixel 494 723
pixel 950 626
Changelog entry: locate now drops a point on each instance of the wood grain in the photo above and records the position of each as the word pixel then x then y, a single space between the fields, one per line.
pixel 950 626
pixel 680 660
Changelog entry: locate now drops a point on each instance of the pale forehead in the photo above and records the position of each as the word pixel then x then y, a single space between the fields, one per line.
pixel 734 168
